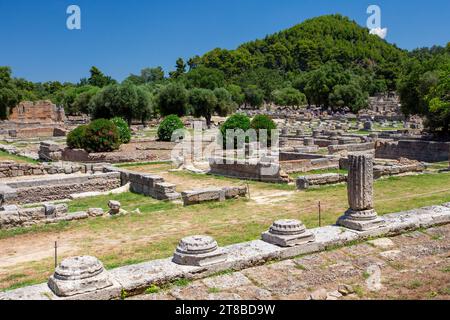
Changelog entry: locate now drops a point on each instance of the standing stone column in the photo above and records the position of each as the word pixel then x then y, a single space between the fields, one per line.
pixel 361 215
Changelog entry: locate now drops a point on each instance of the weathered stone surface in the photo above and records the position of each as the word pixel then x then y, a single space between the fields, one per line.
pixel 228 281
pixel 95 212
pixel 320 294
pixel 191 197
pixel 287 233
pixel 383 243
pixel 79 275
pixel 198 251
pixel 114 207
pixel 50 209
pixel 136 278
pixel 304 182
pixel 361 215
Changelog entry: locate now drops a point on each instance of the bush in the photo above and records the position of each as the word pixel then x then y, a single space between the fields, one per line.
pixel 168 126
pixel 123 128
pixel 101 135
pixel 236 121
pixel 263 122
pixel 75 138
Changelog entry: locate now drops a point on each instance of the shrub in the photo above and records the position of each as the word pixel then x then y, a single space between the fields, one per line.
pixel 263 122
pixel 123 128
pixel 236 121
pixel 101 135
pixel 75 138
pixel 168 126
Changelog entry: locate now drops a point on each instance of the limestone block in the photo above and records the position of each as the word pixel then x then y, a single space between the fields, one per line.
pixel 287 233
pixel 79 275
pixel 114 207
pixel 360 216
pixel 198 251
pixel 95 212
pixel 202 195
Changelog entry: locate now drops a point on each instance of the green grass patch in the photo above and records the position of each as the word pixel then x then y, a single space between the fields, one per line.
pixel 213 290
pixel 7 156
pixel 139 164
pixel 152 289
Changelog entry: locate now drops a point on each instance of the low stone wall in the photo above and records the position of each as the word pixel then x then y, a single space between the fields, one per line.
pixel 11 169
pixel 41 132
pixel 393 170
pixel 25 217
pixel 259 171
pixel 50 151
pixel 389 167
pixel 346 148
pixel 304 162
pixel 191 197
pixel 135 279
pixel 50 189
pixel 146 184
pixel 428 151
pixel 304 182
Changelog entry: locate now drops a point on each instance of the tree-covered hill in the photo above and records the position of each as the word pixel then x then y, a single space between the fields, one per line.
pixel 308 46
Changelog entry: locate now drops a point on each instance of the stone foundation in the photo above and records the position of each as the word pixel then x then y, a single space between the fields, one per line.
pixel 259 171
pixel 427 151
pixel 26 217
pixel 51 189
pixel 191 197
pixel 147 184
pixel 135 279
pixel 305 182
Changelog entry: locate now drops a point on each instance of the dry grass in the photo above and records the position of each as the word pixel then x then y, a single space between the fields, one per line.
pixel 26 254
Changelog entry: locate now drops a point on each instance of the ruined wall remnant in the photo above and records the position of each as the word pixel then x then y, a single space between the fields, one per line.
pixel 427 151
pixel 361 214
pixel 39 111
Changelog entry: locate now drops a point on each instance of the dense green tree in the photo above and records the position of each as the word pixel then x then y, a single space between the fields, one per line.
pixel 98 79
pixel 206 78
pixel 194 62
pixel 180 69
pixel 253 96
pixel 9 95
pixel 424 88
pixel 81 104
pixel 236 94
pixel 126 101
pixel 225 104
pixel 172 99
pixel 203 103
pixel 348 95
pixel 289 97
pixel 263 122
pixel 147 76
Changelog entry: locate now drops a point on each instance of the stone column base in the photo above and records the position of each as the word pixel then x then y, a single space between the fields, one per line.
pixel 288 240
pixel 350 222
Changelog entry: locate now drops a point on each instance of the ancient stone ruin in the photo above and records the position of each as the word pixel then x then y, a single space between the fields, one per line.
pixel 287 233
pixel 361 215
pixel 198 251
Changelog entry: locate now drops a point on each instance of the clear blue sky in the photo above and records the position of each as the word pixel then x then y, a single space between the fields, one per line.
pixel 123 36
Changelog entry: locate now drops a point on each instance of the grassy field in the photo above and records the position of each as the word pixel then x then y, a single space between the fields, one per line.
pixel 26 254
pixel 6 156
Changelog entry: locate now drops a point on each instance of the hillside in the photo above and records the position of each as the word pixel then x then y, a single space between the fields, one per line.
pixel 309 45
